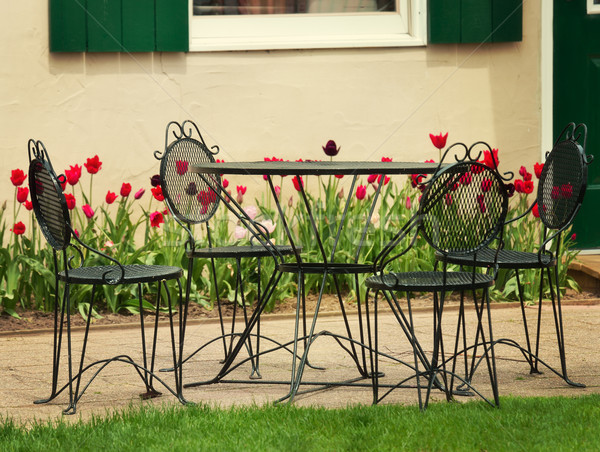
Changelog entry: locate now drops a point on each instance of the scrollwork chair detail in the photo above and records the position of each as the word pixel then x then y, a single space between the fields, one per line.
pixel 52 214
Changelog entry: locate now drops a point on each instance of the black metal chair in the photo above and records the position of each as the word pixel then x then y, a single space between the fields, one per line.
pixel 561 189
pixel 463 209
pixel 194 200
pixel 53 217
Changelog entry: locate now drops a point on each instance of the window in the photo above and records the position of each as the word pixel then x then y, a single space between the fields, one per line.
pixel 295 24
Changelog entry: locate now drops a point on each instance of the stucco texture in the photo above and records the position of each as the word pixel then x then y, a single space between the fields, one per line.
pixel 372 102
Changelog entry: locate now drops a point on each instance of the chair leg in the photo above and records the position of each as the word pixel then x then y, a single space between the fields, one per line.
pixel 147 376
pixel 56 343
pixel 558 323
pixel 74 395
pixel 528 356
pixel 490 349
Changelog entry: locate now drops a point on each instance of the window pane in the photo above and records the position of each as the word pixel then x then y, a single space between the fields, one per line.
pixel 237 7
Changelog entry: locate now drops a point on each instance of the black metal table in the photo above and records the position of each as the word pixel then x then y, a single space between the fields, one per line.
pixel 327 266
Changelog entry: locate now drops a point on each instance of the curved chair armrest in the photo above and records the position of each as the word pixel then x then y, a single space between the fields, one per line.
pixel 382 259
pixel 517 218
pixel 107 280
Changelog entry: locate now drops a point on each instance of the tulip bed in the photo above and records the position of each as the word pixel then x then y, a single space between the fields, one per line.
pixel 135 227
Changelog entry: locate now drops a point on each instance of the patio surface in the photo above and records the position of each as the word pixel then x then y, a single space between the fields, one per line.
pixel 25 373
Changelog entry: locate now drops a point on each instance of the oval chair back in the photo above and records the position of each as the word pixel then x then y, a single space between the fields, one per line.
pixel 463 208
pixel 47 198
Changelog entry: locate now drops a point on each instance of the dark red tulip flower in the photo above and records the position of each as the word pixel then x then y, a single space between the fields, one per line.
pixel 110 197
pixel 93 165
pixel 22 193
pixel 17 177
pixel 331 149
pixel 439 141
pixel 125 189
pixel 73 174
pixel 18 228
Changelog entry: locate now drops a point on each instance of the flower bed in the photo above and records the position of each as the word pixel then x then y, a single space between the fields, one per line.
pixel 135 227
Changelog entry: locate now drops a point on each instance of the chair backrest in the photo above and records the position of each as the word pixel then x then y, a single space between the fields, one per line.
pixel 190 198
pixel 47 198
pixel 463 208
pixel 563 180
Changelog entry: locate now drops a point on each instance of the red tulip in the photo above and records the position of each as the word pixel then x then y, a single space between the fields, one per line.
pixel 125 189
pixel 70 201
pixel 574 237
pixel 28 205
pixel 225 183
pixel 528 186
pixel 298 182
pixel 439 141
pixel 385 181
pixel 181 166
pixel 535 211
pixel 466 179
pixel 110 197
pixel 156 218
pixel 22 193
pixel 87 210
pixel 486 185
pixel 361 192
pixel 158 193
pixel 241 189
pixel 73 174
pixel 17 177
pixel 491 158
pixel 339 176
pixel 537 169
pixel 386 159
pixel 139 193
pixel 18 228
pixel 372 178
pixel 524 173
pixel 566 191
pixel 481 202
pixel 93 165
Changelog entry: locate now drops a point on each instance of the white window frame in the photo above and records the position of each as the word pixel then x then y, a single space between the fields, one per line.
pixel 407 27
pixel 593 7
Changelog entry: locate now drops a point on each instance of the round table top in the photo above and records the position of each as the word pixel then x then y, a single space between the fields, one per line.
pixel 314 168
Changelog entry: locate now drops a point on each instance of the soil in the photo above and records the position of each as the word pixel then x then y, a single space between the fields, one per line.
pixel 39 320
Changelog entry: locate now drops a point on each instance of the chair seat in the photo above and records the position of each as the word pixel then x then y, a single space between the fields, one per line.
pixel 429 281
pixel 234 251
pixel 506 259
pixel 105 274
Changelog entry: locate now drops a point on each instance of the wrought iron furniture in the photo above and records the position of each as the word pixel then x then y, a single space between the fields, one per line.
pixel 193 201
pixel 561 188
pixel 463 208
pixel 52 214
pixel 328 263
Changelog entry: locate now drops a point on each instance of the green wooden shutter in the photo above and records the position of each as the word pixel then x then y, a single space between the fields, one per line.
pixel 138 25
pixel 172 26
pixel 119 25
pixel 104 25
pixel 464 21
pixel 68 31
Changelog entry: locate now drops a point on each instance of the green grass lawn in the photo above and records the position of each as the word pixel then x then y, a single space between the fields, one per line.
pixel 546 424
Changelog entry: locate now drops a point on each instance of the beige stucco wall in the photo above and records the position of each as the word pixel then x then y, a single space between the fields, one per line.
pixel 373 102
